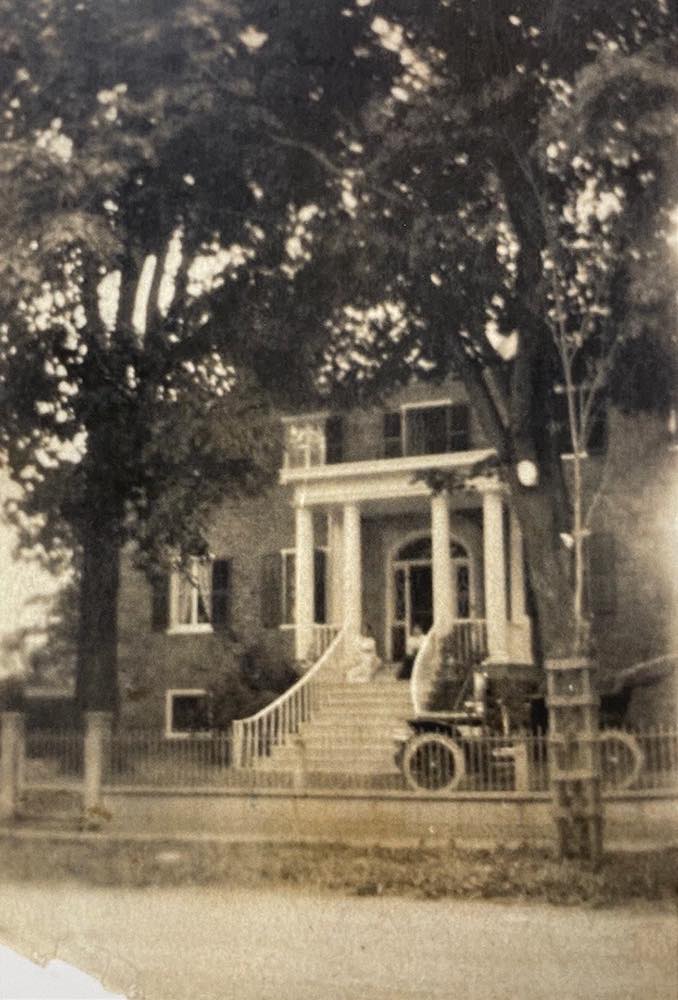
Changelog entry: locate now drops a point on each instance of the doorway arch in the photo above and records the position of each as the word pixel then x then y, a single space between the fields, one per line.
pixel 410 589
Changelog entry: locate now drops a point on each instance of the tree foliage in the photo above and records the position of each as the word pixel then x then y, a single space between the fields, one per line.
pixel 150 252
pixel 209 206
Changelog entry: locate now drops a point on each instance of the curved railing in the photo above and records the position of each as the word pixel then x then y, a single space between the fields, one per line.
pixel 466 642
pixel 424 672
pixel 275 725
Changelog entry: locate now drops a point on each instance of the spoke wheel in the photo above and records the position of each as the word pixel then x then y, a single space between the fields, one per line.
pixel 621 759
pixel 433 762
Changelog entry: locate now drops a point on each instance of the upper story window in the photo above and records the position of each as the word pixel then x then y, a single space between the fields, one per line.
pixel 591 422
pixel 199 596
pixel 429 429
pixel 314 440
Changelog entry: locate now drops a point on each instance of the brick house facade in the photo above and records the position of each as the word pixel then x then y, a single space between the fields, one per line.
pixel 352 537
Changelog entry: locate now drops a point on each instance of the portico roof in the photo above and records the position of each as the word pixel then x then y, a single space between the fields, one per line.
pixel 381 479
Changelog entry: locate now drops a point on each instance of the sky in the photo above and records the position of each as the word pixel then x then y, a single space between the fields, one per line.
pixel 19 579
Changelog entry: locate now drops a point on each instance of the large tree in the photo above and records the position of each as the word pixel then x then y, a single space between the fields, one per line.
pixel 510 202
pixel 155 222
pixel 242 179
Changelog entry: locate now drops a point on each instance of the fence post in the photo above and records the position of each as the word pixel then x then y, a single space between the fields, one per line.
pixel 11 751
pixel 97 742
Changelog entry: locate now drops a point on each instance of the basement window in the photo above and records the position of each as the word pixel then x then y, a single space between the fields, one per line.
pixel 187 713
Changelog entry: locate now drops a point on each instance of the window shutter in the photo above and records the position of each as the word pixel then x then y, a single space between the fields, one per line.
pixel 334 439
pixel 221 593
pixel 459 436
pixel 271 599
pixel 320 594
pixel 393 447
pixel 601 581
pixel 160 602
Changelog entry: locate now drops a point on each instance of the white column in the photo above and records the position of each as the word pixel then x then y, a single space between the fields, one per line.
pixel 335 574
pixel 304 582
pixel 517 572
pixel 441 564
pixel 353 576
pixel 495 574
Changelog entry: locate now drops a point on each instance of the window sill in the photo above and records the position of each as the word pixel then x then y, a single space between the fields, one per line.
pixel 197 629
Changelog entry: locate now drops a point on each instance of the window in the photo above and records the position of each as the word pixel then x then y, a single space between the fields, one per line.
pixel 433 430
pixel 278 588
pixel 200 596
pixel 187 713
pixel 597 436
pixel 313 441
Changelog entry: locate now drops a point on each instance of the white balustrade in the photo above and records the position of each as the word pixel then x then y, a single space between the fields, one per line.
pixel 323 637
pixel 278 723
pixel 467 642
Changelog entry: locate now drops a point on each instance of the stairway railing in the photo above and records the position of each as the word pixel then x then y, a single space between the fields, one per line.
pixel 466 642
pixel 424 672
pixel 276 724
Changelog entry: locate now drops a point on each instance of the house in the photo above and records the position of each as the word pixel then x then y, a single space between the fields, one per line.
pixel 354 540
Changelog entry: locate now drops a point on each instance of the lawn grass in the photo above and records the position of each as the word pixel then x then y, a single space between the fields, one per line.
pixel 521 873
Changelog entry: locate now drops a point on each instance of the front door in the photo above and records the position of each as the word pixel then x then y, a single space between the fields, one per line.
pixel 412 608
pixel 413 604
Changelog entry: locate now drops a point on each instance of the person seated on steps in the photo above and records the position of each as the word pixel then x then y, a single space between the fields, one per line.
pixel 414 641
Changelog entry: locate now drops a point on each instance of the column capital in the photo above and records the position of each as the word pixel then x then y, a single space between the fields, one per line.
pixel 490 485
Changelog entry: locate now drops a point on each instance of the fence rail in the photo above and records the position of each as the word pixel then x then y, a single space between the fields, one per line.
pixel 431 762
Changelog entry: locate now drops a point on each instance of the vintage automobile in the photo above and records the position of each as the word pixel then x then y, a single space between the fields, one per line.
pixel 473 746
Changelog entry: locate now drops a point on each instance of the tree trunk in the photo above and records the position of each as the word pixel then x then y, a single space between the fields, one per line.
pixel 97 656
pixel 548 568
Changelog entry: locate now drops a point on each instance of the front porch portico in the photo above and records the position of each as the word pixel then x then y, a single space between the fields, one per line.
pixel 470 568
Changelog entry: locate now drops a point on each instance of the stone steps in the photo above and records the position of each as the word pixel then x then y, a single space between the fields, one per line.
pixel 355 731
